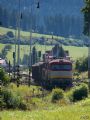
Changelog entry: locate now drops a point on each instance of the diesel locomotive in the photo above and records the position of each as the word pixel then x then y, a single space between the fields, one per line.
pixel 53 73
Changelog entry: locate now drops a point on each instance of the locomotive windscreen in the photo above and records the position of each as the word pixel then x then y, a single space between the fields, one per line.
pixel 59 67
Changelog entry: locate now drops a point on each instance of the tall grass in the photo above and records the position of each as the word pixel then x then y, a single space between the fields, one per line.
pixel 80 111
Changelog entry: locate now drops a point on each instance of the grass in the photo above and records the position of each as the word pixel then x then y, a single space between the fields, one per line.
pixel 27 91
pixel 79 111
pixel 44 109
pixel 75 52
pixel 25 34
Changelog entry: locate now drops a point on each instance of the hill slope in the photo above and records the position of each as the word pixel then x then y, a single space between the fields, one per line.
pixel 58 16
pixel 41 38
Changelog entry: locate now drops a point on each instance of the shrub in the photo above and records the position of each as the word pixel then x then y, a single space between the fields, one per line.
pixel 57 94
pixel 4 77
pixel 81 64
pixel 80 92
pixel 6 80
pixel 2 104
pixel 10 34
pixel 22 106
pixel 12 100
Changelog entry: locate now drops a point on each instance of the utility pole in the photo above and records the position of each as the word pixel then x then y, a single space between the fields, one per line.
pixel 14 56
pixel 52 43
pixel 30 54
pixel 1 94
pixel 89 62
pixel 9 68
pixel 18 52
pixel 14 64
pixel 30 57
pixel 57 48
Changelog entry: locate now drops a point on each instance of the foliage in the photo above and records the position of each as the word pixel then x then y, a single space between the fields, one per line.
pixel 25 60
pixel 2 103
pixel 79 92
pixel 86 12
pixel 4 77
pixel 81 64
pixel 23 105
pixel 51 21
pixel 40 39
pixel 57 94
pixel 12 100
pixel 34 55
pixel 5 50
pixel 24 49
pixel 58 51
pixel 79 111
pixel 10 34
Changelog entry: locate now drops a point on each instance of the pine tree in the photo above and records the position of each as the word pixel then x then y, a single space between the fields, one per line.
pixel 86 12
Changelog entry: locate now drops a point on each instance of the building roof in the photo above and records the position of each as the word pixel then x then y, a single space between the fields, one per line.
pixel 2 62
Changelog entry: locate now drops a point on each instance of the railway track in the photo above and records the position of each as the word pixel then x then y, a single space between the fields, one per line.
pixel 24 80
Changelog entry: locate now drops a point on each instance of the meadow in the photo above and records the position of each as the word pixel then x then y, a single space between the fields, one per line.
pixel 25 34
pixel 78 111
pixel 42 108
pixel 75 52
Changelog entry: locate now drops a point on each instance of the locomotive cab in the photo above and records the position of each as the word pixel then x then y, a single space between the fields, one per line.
pixel 60 72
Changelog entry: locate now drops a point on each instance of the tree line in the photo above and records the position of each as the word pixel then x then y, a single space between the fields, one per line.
pixel 59 24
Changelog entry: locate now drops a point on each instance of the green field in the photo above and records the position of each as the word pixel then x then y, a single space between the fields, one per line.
pixel 79 111
pixel 25 34
pixel 75 52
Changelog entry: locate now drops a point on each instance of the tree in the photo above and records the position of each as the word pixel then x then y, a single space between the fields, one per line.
pixel 34 55
pixel 58 51
pixel 81 64
pixel 10 34
pixel 4 77
pixel 86 12
pixel 25 59
pixel 5 51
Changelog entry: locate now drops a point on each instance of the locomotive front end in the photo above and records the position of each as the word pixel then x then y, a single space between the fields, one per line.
pixel 60 73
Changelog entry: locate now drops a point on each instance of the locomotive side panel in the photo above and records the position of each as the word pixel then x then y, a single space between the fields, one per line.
pixel 37 71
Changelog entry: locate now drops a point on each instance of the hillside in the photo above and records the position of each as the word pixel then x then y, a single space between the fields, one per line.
pixel 41 38
pixel 75 52
pixel 49 7
pixel 51 17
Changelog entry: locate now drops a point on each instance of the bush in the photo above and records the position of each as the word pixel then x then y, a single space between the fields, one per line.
pixel 22 106
pixel 12 100
pixel 4 77
pixel 81 64
pixel 2 104
pixel 80 92
pixel 57 94
pixel 10 34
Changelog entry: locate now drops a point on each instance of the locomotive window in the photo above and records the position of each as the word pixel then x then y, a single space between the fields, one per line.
pixel 60 67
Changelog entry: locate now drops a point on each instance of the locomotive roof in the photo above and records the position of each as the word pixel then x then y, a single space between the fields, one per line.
pixel 37 64
pixel 60 61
